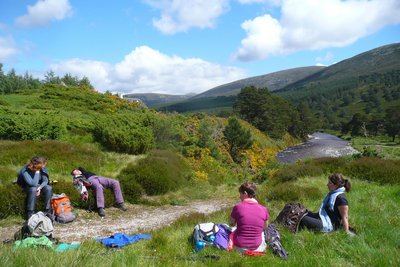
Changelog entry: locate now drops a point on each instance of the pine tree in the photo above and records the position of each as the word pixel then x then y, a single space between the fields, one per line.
pixel 237 137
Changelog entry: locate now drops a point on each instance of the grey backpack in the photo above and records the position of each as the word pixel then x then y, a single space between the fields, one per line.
pixel 38 225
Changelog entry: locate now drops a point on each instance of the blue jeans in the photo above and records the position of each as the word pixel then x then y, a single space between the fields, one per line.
pixel 311 221
pixel 31 198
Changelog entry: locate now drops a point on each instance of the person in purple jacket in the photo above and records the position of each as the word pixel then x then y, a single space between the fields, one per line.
pixel 97 183
pixel 251 219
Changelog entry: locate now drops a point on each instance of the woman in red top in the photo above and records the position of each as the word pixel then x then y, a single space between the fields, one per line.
pixel 251 219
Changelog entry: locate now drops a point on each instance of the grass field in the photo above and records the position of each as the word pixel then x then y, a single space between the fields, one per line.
pixel 382 145
pixel 373 210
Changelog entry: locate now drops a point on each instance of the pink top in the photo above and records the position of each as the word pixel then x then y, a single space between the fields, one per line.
pixel 250 218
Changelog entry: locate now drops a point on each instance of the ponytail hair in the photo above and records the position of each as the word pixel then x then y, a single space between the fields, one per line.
pixel 339 180
pixel 347 185
pixel 249 188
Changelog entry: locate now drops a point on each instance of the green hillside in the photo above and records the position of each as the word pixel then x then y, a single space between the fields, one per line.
pixel 367 84
pixel 77 126
pixel 173 159
pixel 208 104
pixel 224 93
pixel 361 90
pixel 273 81
pixel 378 62
pixel 152 99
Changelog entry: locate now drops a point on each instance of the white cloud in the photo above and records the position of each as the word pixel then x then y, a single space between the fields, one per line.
pixel 146 70
pixel 181 15
pixel 98 72
pixel 315 24
pixel 43 12
pixel 8 49
pixel 324 60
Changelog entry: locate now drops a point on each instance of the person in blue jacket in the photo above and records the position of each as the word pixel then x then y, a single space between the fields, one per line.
pixel 34 180
pixel 334 210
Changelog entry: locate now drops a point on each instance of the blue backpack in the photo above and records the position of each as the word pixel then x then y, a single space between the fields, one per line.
pixel 212 234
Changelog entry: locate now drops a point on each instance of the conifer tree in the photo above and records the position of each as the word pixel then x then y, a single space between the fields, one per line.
pixel 237 137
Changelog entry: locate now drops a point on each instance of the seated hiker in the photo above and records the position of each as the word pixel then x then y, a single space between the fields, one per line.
pixel 334 210
pixel 251 219
pixel 34 179
pixel 84 179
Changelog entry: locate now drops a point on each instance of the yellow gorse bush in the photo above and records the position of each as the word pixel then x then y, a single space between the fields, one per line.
pixel 201 176
pixel 258 156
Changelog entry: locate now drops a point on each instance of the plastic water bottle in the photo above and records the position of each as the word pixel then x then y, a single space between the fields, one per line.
pixel 199 246
pixel 212 238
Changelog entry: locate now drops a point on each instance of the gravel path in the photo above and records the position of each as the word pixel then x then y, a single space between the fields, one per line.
pixel 138 218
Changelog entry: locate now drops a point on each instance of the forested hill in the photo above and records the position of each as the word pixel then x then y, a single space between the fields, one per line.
pixel 379 63
pixel 152 99
pixel 361 90
pixel 272 81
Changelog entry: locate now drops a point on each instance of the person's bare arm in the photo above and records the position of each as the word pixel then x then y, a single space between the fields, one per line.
pixel 344 214
pixel 266 225
pixel 232 221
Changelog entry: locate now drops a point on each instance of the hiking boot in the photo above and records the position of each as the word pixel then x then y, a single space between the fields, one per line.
pixel 121 206
pixel 29 214
pixel 101 212
pixel 49 213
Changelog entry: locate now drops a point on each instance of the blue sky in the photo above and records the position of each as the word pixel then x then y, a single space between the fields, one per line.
pixel 182 46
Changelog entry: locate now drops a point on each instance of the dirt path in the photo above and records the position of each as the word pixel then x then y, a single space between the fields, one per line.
pixel 138 218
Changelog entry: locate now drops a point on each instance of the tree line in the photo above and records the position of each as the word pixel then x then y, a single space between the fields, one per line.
pixel 11 82
pixel 273 114
pixel 367 125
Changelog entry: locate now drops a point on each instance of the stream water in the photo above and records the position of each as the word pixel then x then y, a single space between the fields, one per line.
pixel 319 145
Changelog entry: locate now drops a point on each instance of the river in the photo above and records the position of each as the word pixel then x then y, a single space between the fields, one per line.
pixel 319 145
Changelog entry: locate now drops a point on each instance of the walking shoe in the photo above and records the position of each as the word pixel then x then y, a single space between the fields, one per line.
pixel 29 214
pixel 121 206
pixel 49 213
pixel 101 212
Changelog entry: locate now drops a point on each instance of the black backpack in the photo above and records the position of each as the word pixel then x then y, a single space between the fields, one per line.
pixel 291 215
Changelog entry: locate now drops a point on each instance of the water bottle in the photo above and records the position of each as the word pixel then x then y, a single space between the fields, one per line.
pixel 199 246
pixel 212 238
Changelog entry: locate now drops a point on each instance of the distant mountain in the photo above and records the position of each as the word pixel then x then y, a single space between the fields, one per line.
pixel 151 99
pixel 347 73
pixel 273 81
